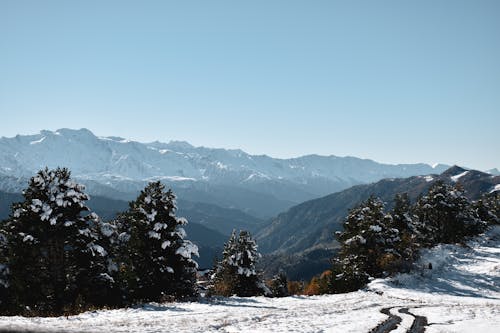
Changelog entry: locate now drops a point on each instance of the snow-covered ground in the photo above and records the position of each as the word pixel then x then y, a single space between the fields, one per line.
pixel 460 294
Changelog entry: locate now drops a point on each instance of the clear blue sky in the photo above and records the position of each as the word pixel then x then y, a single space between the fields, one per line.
pixel 395 81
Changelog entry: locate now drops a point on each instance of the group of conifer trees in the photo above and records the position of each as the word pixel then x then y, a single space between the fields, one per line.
pixel 377 243
pixel 57 257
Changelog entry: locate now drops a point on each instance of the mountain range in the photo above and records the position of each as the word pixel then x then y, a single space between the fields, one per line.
pixel 257 184
pixel 293 206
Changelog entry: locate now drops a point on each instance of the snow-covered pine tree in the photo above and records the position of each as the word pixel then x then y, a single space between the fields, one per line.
pixel 224 278
pixel 54 251
pixel 404 221
pixel 236 273
pixel 368 246
pixel 401 213
pixel 156 258
pixel 488 208
pixel 445 215
pixel 279 285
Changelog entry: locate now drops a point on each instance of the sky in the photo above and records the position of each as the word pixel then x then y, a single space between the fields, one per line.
pixel 394 81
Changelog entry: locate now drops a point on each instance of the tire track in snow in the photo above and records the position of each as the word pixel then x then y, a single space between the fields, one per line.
pixel 391 323
pixel 419 323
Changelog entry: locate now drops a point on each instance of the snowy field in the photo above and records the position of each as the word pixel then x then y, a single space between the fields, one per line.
pixel 460 294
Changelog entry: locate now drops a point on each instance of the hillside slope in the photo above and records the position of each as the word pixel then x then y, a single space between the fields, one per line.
pixel 312 224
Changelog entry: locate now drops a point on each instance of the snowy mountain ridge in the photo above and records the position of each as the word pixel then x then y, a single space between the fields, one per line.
pixel 112 160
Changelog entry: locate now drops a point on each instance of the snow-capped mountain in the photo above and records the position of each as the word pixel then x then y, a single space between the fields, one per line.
pixel 124 166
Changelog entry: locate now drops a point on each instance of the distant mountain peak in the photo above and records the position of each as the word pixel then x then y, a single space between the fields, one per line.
pixel 180 144
pixel 494 172
pixel 454 170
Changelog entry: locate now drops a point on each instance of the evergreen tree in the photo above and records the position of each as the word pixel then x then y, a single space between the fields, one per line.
pixel 404 221
pixel 401 213
pixel 279 285
pixel 445 215
pixel 156 258
pixel 54 248
pixel 368 246
pixel 488 208
pixel 224 278
pixel 236 273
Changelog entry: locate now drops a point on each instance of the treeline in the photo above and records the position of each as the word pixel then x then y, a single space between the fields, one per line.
pixel 377 243
pixel 57 257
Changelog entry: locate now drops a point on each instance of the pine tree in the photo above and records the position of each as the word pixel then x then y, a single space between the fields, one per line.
pixel 279 285
pixel 488 208
pixel 54 253
pixel 404 221
pixel 236 273
pixel 156 258
pixel 445 215
pixel 368 246
pixel 401 213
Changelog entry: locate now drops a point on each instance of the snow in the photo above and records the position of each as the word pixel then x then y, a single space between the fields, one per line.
pixel 460 175
pixel 107 229
pixel 154 235
pixel 259 175
pixel 17 212
pixel 171 178
pixel 94 248
pixel 37 141
pixel 496 188
pixel 187 249
pixel 428 178
pixel 46 211
pixel 460 294
pixel 151 217
pixel 159 226
pixel 246 271
pixel 28 238
pixel 221 166
pixel 357 238
pixel 119 161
